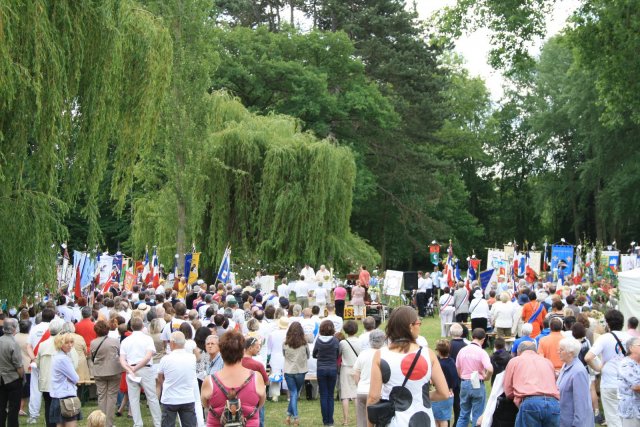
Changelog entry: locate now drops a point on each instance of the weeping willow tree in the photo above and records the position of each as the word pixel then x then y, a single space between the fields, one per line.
pixel 275 193
pixel 80 83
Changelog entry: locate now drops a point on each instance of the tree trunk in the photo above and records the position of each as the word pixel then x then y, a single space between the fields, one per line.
pixel 292 10
pixel 180 232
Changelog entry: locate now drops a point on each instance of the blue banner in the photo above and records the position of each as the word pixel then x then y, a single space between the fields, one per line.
pixel 562 260
pixel 187 263
pixel 116 274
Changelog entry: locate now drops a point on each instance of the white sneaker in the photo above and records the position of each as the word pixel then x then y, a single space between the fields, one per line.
pixel 32 420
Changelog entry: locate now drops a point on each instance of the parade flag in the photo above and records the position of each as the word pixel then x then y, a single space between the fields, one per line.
pixel 434 253
pixel 146 268
pixel 449 266
pixel 545 262
pixel 474 268
pixel 520 263
pixel 96 272
pixel 88 270
pixel 609 259
pixel 129 280
pixel 116 273
pixel 65 263
pixel 562 260
pixel 224 272
pixel 193 270
pixel 487 277
pixel 187 263
pixel 155 271
pixel 530 275
pixel 105 266
pixel 174 271
pixel 79 261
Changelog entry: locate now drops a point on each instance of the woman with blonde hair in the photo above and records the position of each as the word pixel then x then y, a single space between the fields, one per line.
pixel 97 419
pixel 80 346
pixel 64 380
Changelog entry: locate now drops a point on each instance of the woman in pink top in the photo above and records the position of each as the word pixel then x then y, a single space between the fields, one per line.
pixel 339 295
pixel 249 387
pixel 357 300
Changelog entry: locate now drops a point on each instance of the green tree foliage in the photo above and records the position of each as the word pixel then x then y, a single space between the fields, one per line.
pixel 77 81
pixel 313 76
pixel 276 193
pixel 607 38
pixel 173 164
pixel 324 79
pixel 513 26
pixel 590 162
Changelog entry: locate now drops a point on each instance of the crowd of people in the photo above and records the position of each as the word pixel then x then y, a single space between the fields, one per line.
pixel 212 355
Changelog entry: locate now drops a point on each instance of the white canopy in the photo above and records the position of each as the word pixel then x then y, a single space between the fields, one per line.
pixel 629 286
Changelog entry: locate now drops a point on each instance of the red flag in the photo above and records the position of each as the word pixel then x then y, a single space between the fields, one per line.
pixel 530 275
pixel 77 290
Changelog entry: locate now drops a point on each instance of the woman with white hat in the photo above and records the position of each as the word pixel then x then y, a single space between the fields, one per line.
pixel 479 311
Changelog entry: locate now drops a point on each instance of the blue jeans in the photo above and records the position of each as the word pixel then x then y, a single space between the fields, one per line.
pixel 185 411
pixel 262 416
pixel 326 387
pixel 471 403
pixel 294 384
pixel 538 411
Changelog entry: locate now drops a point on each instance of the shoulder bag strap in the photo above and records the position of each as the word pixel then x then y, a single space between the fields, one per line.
pixel 474 307
pixel 413 365
pixel 352 349
pixel 624 353
pixel 94 353
pixel 466 295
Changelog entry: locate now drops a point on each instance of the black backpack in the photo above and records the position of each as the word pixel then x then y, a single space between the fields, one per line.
pixel 232 415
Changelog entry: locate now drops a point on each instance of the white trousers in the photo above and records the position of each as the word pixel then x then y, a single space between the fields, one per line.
pixel 446 316
pixel 35 396
pixel 198 404
pixel 609 398
pixel 148 382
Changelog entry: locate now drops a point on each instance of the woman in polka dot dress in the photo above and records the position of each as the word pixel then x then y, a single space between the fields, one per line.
pixel 391 364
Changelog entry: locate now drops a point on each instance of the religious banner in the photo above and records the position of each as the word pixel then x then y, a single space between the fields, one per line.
pixel 497 260
pixel 105 266
pixel 268 283
pixel 193 271
pixel 116 269
pixel 434 254
pixel 129 280
pixel 534 261
pixel 628 262
pixel 508 252
pixel 393 283
pixel 609 259
pixel 562 261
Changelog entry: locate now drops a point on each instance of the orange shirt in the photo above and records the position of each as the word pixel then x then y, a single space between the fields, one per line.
pixel 527 311
pixel 548 348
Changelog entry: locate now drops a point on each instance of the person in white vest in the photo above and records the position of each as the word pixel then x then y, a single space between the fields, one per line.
pixel 447 310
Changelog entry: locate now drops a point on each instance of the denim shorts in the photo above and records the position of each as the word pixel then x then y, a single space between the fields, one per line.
pixel 442 409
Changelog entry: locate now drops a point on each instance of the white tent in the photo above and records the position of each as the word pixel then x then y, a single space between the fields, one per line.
pixel 629 286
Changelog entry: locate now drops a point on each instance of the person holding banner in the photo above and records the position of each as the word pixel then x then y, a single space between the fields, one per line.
pixel 534 312
pixel 446 310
